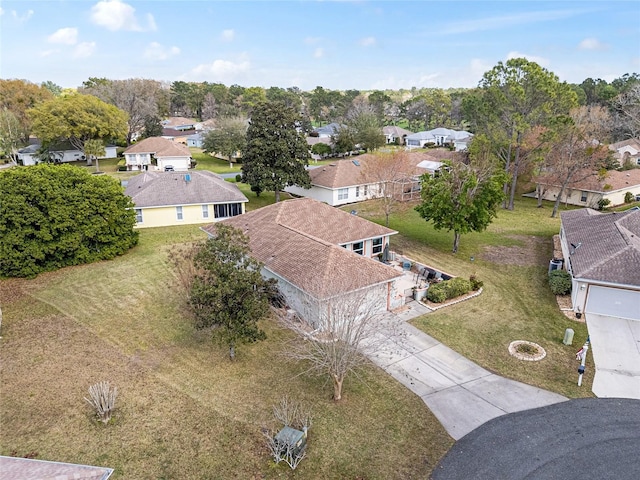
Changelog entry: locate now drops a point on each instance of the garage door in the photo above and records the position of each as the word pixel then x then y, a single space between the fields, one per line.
pixel 613 302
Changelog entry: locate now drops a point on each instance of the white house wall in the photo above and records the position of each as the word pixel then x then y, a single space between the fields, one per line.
pixel 317 193
pixel 572 196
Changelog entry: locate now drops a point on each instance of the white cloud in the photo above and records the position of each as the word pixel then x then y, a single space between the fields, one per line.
pixel 65 36
pixel 312 40
pixel 368 41
pixel 592 44
pixel 507 21
pixel 228 35
pixel 318 53
pixel 21 19
pixel 116 15
pixel 222 70
pixel 48 53
pixel 84 49
pixel 543 62
pixel 155 51
pixel 1 11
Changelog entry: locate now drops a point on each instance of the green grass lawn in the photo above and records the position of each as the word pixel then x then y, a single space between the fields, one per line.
pixel 213 164
pixel 512 259
pixel 183 410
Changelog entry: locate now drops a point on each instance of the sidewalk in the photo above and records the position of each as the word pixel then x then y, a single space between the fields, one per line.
pixel 460 393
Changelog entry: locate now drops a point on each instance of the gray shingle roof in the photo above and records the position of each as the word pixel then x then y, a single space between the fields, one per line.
pixel 609 245
pixel 299 241
pixel 155 189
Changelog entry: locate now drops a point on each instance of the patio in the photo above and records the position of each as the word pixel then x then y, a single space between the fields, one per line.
pixel 415 276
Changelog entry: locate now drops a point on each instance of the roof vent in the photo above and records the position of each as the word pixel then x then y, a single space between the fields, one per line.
pixel 356 163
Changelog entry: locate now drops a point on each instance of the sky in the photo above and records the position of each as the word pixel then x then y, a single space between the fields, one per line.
pixel 337 44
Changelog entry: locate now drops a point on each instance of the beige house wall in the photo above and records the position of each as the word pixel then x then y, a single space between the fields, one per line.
pixel 167 216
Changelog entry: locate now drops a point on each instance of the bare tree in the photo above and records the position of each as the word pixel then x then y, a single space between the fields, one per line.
pixel 576 152
pixel 386 173
pixel 353 326
pixel 629 104
pixel 289 413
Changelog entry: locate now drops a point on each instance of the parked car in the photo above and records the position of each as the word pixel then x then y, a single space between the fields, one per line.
pixel 169 168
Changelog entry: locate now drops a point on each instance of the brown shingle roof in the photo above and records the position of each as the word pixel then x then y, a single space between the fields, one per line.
pixel 155 189
pixel 614 179
pixel 299 241
pixel 606 247
pixel 14 468
pixel 161 147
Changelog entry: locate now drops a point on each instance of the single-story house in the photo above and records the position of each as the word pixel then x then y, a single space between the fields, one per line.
pixel 395 135
pixel 319 254
pixel 601 251
pixel 59 154
pixel 171 198
pixel 459 139
pixel 178 136
pixel 196 140
pixel 327 131
pixel 589 191
pixel 17 468
pixel 339 183
pixel 179 123
pixel 627 150
pixel 343 181
pixel 158 152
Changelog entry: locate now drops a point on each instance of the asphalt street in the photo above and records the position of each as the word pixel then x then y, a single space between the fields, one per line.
pixel 593 438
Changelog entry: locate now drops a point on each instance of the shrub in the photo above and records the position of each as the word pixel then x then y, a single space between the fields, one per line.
pixel 457 286
pixel 603 203
pixel 437 292
pixel 103 400
pixel 122 165
pixel 475 283
pixel 629 197
pixel 560 282
pixel 238 178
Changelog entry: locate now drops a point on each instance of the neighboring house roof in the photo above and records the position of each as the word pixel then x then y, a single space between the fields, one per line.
pixel 299 241
pixel 395 131
pixel 614 180
pixel 311 141
pixel 159 146
pixel 329 129
pixel 172 122
pixel 30 149
pixel 430 165
pixel 157 189
pixel 631 142
pixel 340 174
pixel 451 135
pixel 604 246
pixel 172 132
pixel 15 468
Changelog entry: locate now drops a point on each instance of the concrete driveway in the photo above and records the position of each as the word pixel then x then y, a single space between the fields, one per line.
pixel 460 393
pixel 615 344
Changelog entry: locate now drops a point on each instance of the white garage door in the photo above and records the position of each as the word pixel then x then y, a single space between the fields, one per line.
pixel 613 302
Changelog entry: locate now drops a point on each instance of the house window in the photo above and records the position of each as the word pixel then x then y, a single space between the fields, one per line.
pixel 226 210
pixel 205 211
pixel 583 197
pixel 138 215
pixel 376 245
pixel 179 213
pixel 343 194
pixel 358 248
pixel 366 190
pixel 357 191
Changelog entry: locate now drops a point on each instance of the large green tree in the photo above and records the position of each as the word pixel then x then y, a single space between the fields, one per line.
pixel 78 118
pixel 18 96
pixel 52 216
pixel 513 98
pixel 365 124
pixel 463 197
pixel 228 138
pixel 228 291
pixel 276 155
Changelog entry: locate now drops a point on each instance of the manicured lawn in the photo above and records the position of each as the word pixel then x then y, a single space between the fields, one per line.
pixel 512 259
pixel 184 410
pixel 213 164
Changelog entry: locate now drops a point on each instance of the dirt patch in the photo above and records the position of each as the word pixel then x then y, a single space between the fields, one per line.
pixel 533 251
pixel 565 306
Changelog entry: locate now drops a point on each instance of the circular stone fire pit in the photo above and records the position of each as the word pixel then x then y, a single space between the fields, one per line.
pixel 528 351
